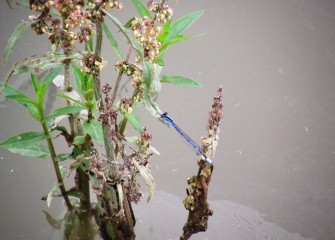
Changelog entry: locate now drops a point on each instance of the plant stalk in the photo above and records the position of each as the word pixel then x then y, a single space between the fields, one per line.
pixel 97 92
pixel 123 227
pixel 56 167
pixel 67 89
pixel 82 182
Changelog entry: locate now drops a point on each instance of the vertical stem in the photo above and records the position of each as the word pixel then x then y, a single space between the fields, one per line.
pixel 76 130
pixel 67 89
pixel 121 224
pixel 83 180
pixel 56 167
pixel 117 84
pixel 84 188
pixel 97 92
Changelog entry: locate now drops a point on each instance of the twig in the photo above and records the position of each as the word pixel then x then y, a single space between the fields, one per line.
pixel 56 167
pixel 196 201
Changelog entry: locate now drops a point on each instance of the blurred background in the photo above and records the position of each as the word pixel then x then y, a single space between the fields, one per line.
pixel 274 167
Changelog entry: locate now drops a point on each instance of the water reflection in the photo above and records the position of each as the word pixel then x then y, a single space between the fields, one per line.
pixel 231 221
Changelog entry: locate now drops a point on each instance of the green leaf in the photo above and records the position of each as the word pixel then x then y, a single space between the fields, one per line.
pixel 165 46
pixel 17 33
pixel 112 40
pixel 83 81
pixel 56 224
pixel 180 81
pixel 147 73
pixel 128 24
pixel 183 23
pixel 74 193
pixel 70 99
pixel 150 89
pixel 29 104
pixel 94 129
pixel 46 82
pixel 165 32
pixel 141 9
pixel 147 177
pixel 79 76
pixel 79 140
pixel 23 138
pixel 54 192
pixel 36 83
pixel 90 45
pixel 134 121
pixel 62 157
pixel 64 110
pixel 26 144
pixel 160 61
pixel 126 33
pixel 23 4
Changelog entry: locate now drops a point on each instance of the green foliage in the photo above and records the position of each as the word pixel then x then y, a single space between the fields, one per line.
pixel 172 34
pixel 94 129
pixel 54 192
pixel 15 36
pixel 83 82
pixel 112 40
pixel 141 9
pixel 19 97
pixel 165 32
pixel 180 81
pixel 63 157
pixel 147 73
pixel 125 32
pixel 64 111
pixel 70 99
pixel 56 224
pixel 79 77
pixel 46 82
pixel 26 144
pixel 79 140
pixel 90 45
pixel 35 108
pixel 21 3
pixel 166 45
pixel 128 24
pixel 41 89
pixel 36 83
pixel 89 95
pixel 183 23
pixel 134 121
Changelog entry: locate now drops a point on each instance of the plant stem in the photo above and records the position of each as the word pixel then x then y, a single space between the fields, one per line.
pixel 97 91
pixel 56 167
pixel 82 182
pixel 67 89
pixel 124 227
pixel 117 84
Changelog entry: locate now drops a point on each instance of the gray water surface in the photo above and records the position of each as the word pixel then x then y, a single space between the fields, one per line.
pixel 274 168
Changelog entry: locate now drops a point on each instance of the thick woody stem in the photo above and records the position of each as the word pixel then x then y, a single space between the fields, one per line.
pixel 196 201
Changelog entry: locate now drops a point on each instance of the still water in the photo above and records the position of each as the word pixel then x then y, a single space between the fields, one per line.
pixel 274 168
